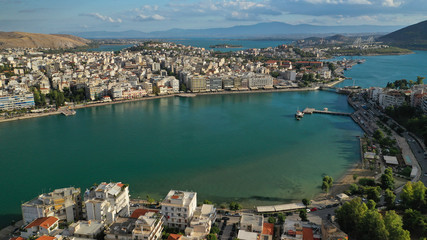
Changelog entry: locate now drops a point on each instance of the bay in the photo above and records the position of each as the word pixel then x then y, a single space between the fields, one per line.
pixel 243 147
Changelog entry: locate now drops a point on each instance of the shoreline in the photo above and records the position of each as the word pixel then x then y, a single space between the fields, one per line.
pixel 37 115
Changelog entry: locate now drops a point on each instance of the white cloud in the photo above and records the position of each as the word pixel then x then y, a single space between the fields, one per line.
pixel 355 2
pixel 103 18
pixel 155 17
pixel 392 3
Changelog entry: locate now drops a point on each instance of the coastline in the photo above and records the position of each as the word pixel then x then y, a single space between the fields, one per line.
pixel 37 115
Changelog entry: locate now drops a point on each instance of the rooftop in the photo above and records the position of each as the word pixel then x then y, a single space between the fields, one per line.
pixel 44 222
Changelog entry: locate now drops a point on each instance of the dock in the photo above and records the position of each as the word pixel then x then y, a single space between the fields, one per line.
pixel 324 111
pixel 67 111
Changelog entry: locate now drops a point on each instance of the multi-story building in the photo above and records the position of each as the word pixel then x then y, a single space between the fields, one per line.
pixel 197 83
pixel 201 223
pixel 107 201
pixel 64 203
pixel 251 222
pixel 258 80
pixel 86 229
pixel 424 104
pixel 214 83
pixel 10 102
pixel 391 98
pixel 178 208
pixel 147 226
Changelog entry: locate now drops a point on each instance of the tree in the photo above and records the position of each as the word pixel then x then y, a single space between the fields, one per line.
pixel 355 176
pixel 415 222
pixel 235 206
pixel 420 80
pixel 271 219
pixel 281 217
pixel 211 236
pixel 394 226
pixel 389 198
pixel 371 204
pixel 215 229
pixel 207 202
pixel 327 183
pixel 373 193
pixel 182 87
pixel 306 202
pixel 413 195
pixel 387 180
pixel 372 226
pixel 156 90
pixel 303 215
pixel 350 215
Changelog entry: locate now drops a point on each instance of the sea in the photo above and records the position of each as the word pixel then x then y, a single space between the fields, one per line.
pixel 233 147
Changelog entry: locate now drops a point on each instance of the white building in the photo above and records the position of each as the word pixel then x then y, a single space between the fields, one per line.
pixel 62 203
pixel 40 226
pixel 86 229
pixel 107 201
pixel 178 208
pixel 201 223
pixel 392 98
pixel 258 80
pixel 147 226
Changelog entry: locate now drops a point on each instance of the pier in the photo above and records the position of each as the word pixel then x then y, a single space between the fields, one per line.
pixel 324 111
pixel 67 111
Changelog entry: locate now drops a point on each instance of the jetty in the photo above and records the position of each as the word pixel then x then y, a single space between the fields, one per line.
pixel 186 95
pixel 67 111
pixel 324 111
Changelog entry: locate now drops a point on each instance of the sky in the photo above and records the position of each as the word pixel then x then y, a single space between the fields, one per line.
pixel 58 16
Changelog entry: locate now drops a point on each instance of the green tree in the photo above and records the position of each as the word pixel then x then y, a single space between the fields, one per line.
pixel 271 219
pixel 415 222
pixel 389 198
pixel 387 180
pixel 156 90
pixel 355 176
pixel 350 215
pixel 413 195
pixel 211 236
pixel 306 202
pixel 215 229
pixel 207 202
pixel 235 206
pixel 281 217
pixel 371 204
pixel 303 215
pixel 394 226
pixel 327 183
pixel 372 226
pixel 373 193
pixel 182 87
pixel 354 189
pixel 420 80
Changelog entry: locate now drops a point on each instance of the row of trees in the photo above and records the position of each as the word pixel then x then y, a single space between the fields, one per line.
pixel 405 84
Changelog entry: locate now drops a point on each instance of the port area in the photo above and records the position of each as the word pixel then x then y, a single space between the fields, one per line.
pixel 67 111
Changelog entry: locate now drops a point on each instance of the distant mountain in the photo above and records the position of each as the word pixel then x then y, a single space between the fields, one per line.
pixel 260 30
pixel 37 40
pixel 412 37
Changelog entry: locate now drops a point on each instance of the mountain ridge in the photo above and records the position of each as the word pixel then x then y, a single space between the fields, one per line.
pixel 412 37
pixel 39 40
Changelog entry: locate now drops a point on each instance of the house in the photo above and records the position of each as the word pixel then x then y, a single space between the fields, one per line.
pixel 251 222
pixel 267 231
pixel 173 236
pixel 178 208
pixel 40 226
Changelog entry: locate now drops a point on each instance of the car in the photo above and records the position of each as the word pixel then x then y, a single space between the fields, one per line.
pixel 313 209
pixel 225 218
pixel 308 210
pixel 236 214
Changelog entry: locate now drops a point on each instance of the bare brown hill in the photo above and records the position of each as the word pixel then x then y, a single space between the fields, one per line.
pixel 38 40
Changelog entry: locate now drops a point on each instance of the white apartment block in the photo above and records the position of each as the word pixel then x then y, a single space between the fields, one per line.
pixel 392 98
pixel 424 104
pixel 178 208
pixel 62 203
pixel 201 223
pixel 258 80
pixel 107 201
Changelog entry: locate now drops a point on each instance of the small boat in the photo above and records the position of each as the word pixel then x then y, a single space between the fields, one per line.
pixel 299 115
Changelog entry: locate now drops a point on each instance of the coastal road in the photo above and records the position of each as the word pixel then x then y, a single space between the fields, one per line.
pixel 418 152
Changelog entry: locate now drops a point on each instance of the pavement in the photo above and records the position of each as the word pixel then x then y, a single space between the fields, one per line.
pixel 6 233
pixel 418 152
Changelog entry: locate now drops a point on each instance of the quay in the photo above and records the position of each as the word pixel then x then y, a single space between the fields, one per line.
pixel 324 111
pixel 67 111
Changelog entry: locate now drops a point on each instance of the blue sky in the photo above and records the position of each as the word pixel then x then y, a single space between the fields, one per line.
pixel 53 16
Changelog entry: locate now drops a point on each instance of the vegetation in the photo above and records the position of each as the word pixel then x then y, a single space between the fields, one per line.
pixel 405 84
pixel 362 223
pixel 411 118
pixel 327 183
pixel 414 195
pixel 387 180
pixel 303 215
pixel 371 51
pixel 306 202
pixel 235 206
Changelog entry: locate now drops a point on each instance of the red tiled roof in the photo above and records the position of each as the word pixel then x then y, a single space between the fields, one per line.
pixel 141 212
pixel 175 197
pixel 44 222
pixel 307 234
pixel 174 236
pixel 17 238
pixel 44 237
pixel 268 228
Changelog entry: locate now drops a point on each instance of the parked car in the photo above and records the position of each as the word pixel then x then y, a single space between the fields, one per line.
pixel 313 209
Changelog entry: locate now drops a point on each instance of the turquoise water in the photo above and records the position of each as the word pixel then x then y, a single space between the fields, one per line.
pixel 379 70
pixel 245 147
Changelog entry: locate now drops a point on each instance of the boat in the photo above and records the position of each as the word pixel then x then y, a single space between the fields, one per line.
pixel 299 115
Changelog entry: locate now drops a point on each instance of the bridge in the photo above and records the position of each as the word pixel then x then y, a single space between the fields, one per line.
pixel 325 111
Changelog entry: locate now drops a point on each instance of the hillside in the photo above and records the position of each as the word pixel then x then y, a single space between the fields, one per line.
pixel 37 40
pixel 412 37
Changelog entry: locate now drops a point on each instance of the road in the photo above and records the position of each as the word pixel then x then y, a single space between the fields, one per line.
pixel 418 152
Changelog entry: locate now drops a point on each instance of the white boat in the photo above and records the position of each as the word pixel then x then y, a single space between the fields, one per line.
pixel 299 115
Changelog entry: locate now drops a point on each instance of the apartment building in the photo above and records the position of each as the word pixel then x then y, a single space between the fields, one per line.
pixel 178 208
